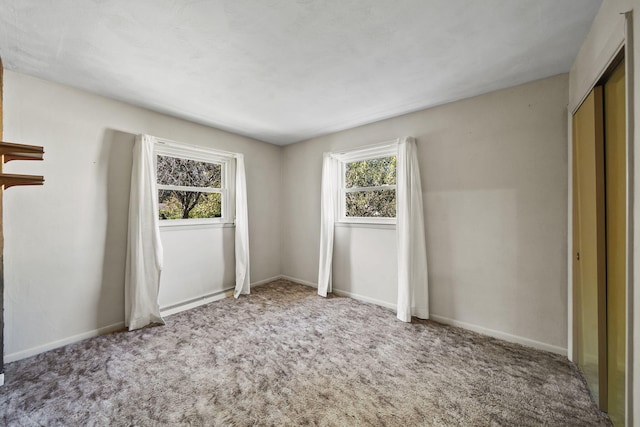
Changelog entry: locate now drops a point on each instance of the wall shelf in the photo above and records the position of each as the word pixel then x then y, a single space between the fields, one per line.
pixel 10 180
pixel 13 151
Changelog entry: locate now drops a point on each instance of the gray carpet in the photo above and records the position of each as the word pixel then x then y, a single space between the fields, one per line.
pixel 284 356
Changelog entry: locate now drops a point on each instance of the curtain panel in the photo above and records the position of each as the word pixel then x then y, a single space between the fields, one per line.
pixel 328 212
pixel 242 231
pixel 144 248
pixel 413 295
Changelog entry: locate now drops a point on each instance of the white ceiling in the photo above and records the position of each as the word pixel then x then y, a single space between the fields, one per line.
pixel 287 70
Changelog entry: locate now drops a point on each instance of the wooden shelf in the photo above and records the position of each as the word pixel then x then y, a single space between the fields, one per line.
pixel 10 180
pixel 11 151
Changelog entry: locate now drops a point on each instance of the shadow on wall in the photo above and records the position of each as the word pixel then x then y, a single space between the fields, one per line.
pixel 343 278
pixel 116 158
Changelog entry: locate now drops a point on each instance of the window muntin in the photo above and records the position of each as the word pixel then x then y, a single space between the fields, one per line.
pixel 193 185
pixel 368 185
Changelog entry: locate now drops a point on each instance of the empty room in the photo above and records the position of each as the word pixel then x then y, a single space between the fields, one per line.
pixel 319 212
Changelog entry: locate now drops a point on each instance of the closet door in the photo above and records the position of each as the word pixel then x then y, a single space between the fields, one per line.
pixel 616 222
pixel 589 251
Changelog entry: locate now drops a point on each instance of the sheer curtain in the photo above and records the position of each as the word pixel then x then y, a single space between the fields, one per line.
pixel 242 231
pixel 413 296
pixel 328 208
pixel 144 248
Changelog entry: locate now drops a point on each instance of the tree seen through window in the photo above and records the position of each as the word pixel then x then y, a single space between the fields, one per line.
pixel 188 188
pixel 370 188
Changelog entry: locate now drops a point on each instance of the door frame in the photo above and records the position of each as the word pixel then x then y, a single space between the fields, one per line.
pixel 624 47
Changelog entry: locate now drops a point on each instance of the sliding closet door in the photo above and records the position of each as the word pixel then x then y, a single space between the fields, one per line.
pixel 616 216
pixel 589 250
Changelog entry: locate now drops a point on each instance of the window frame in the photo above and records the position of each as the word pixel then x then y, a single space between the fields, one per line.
pixel 359 155
pixel 169 148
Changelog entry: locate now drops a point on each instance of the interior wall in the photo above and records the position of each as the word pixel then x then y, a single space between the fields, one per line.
pixel 607 34
pixel 65 242
pixel 189 276
pixel 493 172
pixel 364 255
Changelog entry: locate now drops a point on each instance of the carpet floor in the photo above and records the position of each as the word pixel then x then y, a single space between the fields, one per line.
pixel 284 356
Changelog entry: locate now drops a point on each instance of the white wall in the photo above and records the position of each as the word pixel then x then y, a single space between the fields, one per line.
pixel 65 241
pixel 494 180
pixel 362 258
pixel 190 274
pixel 606 35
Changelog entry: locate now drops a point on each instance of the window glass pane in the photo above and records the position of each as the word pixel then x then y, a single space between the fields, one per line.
pixel 371 173
pixel 188 173
pixel 188 204
pixel 371 204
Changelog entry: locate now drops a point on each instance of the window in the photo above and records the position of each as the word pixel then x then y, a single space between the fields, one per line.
pixel 368 185
pixel 193 185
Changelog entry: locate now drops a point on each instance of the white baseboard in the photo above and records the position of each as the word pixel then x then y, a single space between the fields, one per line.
pixel 420 314
pixel 208 298
pixel 342 293
pixel 196 302
pixel 441 319
pixel 23 354
pixel 300 281
pixel 265 281
pixel 363 298
pixel 501 335
pixel 12 357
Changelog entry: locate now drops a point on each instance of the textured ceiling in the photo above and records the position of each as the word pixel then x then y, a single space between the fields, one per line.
pixel 282 70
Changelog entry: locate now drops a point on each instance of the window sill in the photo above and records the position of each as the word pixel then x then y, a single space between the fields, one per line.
pixel 376 225
pixel 175 226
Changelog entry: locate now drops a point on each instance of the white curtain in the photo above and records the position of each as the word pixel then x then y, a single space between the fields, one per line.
pixel 242 231
pixel 328 209
pixel 413 296
pixel 144 248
